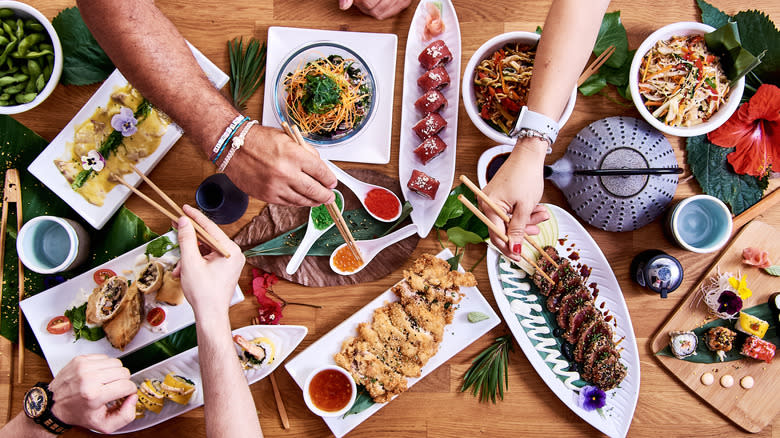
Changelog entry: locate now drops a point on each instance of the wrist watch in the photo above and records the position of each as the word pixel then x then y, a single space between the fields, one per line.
pixel 533 124
pixel 38 402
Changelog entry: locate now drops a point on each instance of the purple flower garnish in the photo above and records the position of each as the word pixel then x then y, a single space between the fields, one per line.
pixel 124 122
pixel 93 161
pixel 729 302
pixel 591 398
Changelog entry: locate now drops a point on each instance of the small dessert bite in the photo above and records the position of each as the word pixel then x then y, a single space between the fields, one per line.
pixel 431 102
pixel 751 325
pixel 434 79
pixel 727 381
pixel 759 349
pixel 423 184
pixel 747 382
pixel 430 148
pixel 720 340
pixel 707 379
pixel 683 344
pixel 437 53
pixel 430 125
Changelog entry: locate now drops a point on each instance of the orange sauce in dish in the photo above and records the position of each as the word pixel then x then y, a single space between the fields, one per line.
pixel 330 390
pixel 344 260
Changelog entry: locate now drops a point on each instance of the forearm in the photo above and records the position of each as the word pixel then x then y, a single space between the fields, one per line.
pixel 569 34
pixel 21 426
pixel 152 54
pixel 229 406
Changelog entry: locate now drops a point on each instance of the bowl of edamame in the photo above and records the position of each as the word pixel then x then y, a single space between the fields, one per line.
pixel 30 57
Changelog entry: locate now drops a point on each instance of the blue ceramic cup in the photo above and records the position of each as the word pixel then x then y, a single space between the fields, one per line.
pixel 50 244
pixel 701 224
pixel 220 200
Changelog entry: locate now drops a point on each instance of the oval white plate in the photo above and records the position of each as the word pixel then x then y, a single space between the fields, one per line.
pixel 285 338
pixel 621 401
pixel 442 167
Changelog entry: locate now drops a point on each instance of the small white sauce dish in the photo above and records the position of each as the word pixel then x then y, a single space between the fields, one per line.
pixel 310 403
pixel 50 244
pixel 701 224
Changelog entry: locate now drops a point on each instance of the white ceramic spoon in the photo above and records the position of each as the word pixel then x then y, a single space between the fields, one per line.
pixel 361 189
pixel 311 236
pixel 370 248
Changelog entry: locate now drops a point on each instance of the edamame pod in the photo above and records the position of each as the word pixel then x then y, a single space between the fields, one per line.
pixel 29 41
pixel 3 40
pixel 5 96
pixel 7 80
pixel 9 31
pixel 33 68
pixel 47 71
pixel 45 46
pixel 25 98
pixel 40 82
pixel 20 77
pixel 6 12
pixel 29 55
pixel 19 28
pixel 33 26
pixel 13 89
pixel 5 103
pixel 30 86
pixel 8 49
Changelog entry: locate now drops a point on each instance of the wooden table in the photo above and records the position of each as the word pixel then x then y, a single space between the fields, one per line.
pixel 434 407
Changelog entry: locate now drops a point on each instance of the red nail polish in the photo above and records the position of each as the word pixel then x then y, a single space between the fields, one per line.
pixel 518 248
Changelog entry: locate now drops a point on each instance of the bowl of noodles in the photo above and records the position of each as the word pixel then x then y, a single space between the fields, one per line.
pixel 678 85
pixel 327 90
pixel 496 83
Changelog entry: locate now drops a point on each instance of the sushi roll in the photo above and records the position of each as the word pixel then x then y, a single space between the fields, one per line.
pixel 720 340
pixel 683 344
pixel 178 389
pixel 430 148
pixel 430 125
pixel 434 79
pixel 151 395
pixel 758 349
pixel 437 53
pixel 430 102
pixel 257 352
pixel 751 325
pixel 140 410
pixel 423 184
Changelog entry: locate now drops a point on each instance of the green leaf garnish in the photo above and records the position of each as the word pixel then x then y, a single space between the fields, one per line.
pixel 735 59
pixel 362 402
pixel 477 316
pixel 247 70
pixel 488 374
pixel 773 270
pixel 78 320
pixel 159 246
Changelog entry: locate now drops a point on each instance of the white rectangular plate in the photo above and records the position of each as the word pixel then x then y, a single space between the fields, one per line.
pixel 442 167
pixel 459 335
pixel 46 171
pixel 284 337
pixel 378 50
pixel 60 349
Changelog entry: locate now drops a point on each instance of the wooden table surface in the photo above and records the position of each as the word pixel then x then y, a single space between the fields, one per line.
pixel 433 407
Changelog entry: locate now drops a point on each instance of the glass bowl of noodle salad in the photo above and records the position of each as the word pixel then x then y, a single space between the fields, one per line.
pixel 678 85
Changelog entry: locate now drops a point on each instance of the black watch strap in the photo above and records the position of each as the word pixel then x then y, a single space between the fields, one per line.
pixel 38 402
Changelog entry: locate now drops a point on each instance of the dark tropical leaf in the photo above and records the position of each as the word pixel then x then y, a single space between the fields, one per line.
pixel 735 59
pixel 84 61
pixel 758 33
pixel 593 84
pixel 363 401
pixel 712 15
pixel 453 208
pixel 170 346
pixel 612 33
pixel 460 237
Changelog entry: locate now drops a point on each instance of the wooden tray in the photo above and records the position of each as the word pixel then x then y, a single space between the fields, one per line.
pixel 750 409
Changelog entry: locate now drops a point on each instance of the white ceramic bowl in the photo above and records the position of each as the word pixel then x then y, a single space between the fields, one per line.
pixel 25 11
pixel 49 244
pixel 318 411
pixel 680 29
pixel 701 223
pixel 469 96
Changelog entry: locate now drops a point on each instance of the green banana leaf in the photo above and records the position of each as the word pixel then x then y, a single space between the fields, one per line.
pixel 172 345
pixel 704 355
pixel 736 60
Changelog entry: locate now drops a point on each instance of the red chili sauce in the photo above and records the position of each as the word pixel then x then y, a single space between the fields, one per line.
pixel 382 203
pixel 330 390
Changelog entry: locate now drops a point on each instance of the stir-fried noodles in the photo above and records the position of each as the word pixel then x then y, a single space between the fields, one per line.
pixel 501 84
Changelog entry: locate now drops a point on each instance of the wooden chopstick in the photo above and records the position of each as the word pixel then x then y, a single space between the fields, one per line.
pixel 277 395
pixel 202 232
pixel 595 65
pixel 9 196
pixel 204 236
pixel 501 235
pixel 502 214
pixel 12 193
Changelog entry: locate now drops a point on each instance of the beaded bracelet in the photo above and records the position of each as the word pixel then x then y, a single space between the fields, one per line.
pixel 225 135
pixel 237 143
pixel 227 141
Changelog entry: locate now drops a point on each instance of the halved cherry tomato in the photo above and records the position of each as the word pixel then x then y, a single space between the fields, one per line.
pixel 156 316
pixel 58 325
pixel 101 275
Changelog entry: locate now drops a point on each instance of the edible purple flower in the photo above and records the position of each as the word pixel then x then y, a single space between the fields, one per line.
pixel 591 398
pixel 93 161
pixel 124 122
pixel 729 302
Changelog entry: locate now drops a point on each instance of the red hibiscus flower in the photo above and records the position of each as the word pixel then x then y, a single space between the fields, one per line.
pixel 755 131
pixel 270 310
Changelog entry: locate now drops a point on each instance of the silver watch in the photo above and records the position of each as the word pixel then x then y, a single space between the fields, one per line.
pixel 533 124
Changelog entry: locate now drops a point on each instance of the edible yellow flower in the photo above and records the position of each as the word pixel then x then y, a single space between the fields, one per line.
pixel 740 286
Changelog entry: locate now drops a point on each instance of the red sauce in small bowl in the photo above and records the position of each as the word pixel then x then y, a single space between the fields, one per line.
pixel 330 390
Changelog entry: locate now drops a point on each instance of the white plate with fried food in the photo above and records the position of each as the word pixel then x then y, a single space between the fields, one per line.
pixel 278 340
pixel 59 349
pixel 342 341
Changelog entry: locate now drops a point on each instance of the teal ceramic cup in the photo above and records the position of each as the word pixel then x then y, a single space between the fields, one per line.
pixel 701 224
pixel 50 244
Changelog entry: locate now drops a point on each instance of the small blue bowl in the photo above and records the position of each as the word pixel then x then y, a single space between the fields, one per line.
pixel 701 223
pixel 50 244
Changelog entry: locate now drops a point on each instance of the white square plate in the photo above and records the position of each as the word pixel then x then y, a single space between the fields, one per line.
pixel 379 52
pixel 458 335
pixel 46 171
pixel 60 349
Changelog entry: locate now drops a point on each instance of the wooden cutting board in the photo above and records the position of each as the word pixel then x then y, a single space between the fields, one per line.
pixel 750 409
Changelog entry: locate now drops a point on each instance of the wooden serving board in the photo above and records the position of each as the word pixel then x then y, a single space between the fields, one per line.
pixel 750 409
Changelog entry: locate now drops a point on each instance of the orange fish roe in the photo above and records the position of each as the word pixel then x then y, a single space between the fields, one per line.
pixel 344 260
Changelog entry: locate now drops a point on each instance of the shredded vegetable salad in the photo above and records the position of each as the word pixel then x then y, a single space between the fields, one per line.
pixel 501 84
pixel 328 97
pixel 681 82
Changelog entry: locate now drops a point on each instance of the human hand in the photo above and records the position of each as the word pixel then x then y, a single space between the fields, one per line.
pixel 84 387
pixel 207 281
pixel 379 9
pixel 273 167
pixel 517 188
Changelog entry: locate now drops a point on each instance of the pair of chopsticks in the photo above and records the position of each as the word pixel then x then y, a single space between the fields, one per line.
pixel 332 208
pixel 595 65
pixel 277 395
pixel 500 233
pixel 12 192
pixel 203 235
